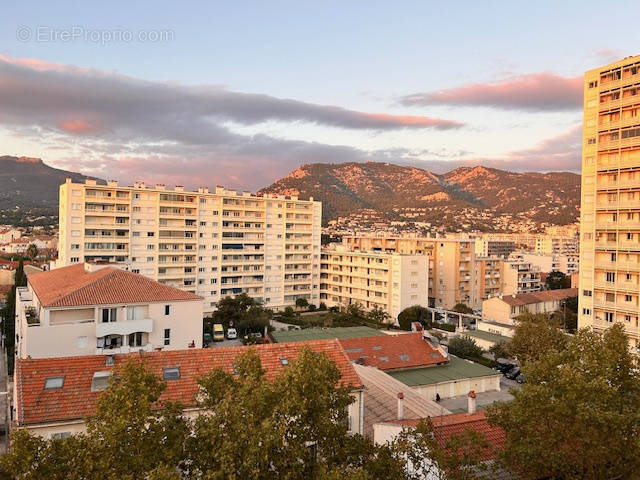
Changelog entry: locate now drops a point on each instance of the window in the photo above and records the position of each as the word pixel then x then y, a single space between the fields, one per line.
pixel 100 381
pixel 75 259
pixel 611 277
pixel 171 373
pixel 109 315
pixel 586 311
pixel 587 293
pixel 167 309
pixel 608 316
pixel 167 336
pixel 53 383
pixel 135 339
pixel 628 298
pixel 284 361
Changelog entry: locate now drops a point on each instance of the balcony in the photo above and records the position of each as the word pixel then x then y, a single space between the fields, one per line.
pixel 125 327
pixel 123 349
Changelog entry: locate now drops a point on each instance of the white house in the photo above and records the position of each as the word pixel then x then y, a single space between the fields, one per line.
pixel 89 309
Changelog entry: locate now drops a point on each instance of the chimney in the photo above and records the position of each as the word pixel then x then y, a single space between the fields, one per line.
pixel 471 402
pixel 401 406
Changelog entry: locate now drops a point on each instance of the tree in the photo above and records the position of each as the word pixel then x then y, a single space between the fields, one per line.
pixel 32 251
pixel 20 277
pixel 535 335
pixel 245 312
pixel 500 350
pixel 464 347
pixel 127 437
pixel 462 308
pixel 557 280
pixel 377 315
pixel 322 306
pixel 577 415
pixel 292 427
pixel 416 313
pixel 302 302
pixel 355 310
pixel 458 457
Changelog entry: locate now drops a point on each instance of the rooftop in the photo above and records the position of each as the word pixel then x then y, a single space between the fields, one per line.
pixel 393 352
pixel 446 426
pixel 538 297
pixel 491 337
pixel 74 400
pixel 381 399
pixel 300 335
pixel 456 369
pixel 73 286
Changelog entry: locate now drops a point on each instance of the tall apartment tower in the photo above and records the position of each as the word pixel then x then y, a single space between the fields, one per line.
pixel 610 213
pixel 214 244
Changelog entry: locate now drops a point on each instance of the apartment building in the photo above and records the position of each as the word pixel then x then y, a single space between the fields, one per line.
pixel 451 264
pixel 551 262
pixel 557 244
pixel 493 247
pixel 211 243
pixel 519 276
pixel 90 309
pixel 504 309
pixel 488 277
pixel 610 211
pixel 390 281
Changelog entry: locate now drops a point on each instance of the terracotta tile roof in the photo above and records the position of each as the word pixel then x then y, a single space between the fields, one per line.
pixel 538 297
pixel 75 400
pixel 446 426
pixel 73 286
pixel 393 352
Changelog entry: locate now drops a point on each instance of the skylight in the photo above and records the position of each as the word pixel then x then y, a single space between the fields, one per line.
pixel 284 361
pixel 100 381
pixel 171 373
pixel 52 383
pixel 404 356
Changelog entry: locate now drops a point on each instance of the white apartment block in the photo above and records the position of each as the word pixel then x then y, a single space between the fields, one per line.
pixel 451 264
pixel 610 208
pixel 520 277
pixel 91 309
pixel 556 262
pixel 558 244
pixel 390 281
pixel 212 243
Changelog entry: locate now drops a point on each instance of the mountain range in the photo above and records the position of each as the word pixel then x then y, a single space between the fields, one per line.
pixel 29 185
pixel 349 187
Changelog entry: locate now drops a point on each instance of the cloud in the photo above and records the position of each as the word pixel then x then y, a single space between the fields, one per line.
pixel 52 90
pixel 560 153
pixel 538 92
pixel 117 127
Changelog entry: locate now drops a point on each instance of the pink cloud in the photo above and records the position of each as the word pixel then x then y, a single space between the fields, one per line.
pixel 535 91
pixel 77 127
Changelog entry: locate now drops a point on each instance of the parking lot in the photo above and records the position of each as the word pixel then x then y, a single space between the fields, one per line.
pixel 226 343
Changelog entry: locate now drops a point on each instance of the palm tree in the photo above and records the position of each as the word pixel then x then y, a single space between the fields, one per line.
pixel 32 251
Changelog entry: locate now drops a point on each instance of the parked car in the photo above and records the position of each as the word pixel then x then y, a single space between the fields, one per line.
pixel 512 373
pixel 503 367
pixel 253 334
pixel 206 339
pixel 520 378
pixel 218 332
pixel 232 333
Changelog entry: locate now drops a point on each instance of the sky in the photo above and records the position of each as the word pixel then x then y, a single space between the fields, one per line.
pixel 241 93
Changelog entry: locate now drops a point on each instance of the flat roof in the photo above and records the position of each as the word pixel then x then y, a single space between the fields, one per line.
pixel 492 337
pixel 457 369
pixel 301 335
